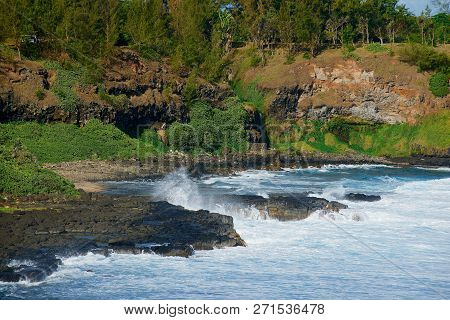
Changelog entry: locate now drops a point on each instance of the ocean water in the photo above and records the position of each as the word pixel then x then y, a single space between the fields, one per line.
pixel 397 248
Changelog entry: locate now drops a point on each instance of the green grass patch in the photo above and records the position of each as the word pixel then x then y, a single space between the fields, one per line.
pixel 64 87
pixel 60 142
pixel 376 47
pixel 7 210
pixel 431 135
pixel 120 102
pixel 21 175
pixel 249 94
pixel 70 75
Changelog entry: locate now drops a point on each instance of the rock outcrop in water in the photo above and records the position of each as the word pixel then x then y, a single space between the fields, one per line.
pixel 31 240
pixel 286 208
pixel 362 197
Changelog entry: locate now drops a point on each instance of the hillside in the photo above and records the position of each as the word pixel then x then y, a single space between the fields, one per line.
pixel 134 108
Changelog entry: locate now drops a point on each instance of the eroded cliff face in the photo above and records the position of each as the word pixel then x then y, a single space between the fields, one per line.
pixel 348 90
pixel 153 91
pixel 379 89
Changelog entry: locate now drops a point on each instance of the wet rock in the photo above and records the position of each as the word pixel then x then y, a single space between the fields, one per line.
pixel 8 274
pixel 102 224
pixel 286 208
pixel 174 250
pixel 362 197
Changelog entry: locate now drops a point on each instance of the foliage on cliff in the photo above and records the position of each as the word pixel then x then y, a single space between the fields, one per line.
pixel 430 136
pixel 212 130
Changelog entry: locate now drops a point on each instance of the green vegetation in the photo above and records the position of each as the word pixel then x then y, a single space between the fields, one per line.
pixel 201 33
pixel 61 142
pixel 425 58
pixel 25 145
pixel 120 102
pixel 66 81
pixel 348 52
pixel 376 48
pixel 439 84
pixel 21 175
pixel 211 130
pixel 431 135
pixel 40 94
pixel 249 94
pixel 7 210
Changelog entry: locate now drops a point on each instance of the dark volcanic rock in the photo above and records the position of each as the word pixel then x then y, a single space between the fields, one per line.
pixel 362 197
pixel 286 208
pixel 31 241
pixel 174 250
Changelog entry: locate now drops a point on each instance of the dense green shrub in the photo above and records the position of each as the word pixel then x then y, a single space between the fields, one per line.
pixel 59 142
pixel 439 84
pixel 307 56
pixel 376 47
pixel 348 52
pixel 21 175
pixel 182 137
pixel 191 87
pixel 254 57
pixel 150 143
pixel 425 58
pixel 211 130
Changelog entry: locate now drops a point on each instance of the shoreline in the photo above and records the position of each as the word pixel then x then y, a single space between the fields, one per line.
pixel 42 229
pixel 87 174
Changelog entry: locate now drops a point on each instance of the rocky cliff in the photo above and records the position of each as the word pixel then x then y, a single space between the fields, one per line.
pixel 376 87
pixel 153 91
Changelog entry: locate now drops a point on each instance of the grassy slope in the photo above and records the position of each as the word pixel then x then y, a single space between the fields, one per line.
pixel 24 145
pixel 59 142
pixel 21 174
pixel 431 135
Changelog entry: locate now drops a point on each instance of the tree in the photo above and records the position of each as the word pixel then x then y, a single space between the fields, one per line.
pixel 109 19
pixel 441 24
pixel 423 21
pixel 14 23
pixel 192 22
pixel 340 15
pixel 226 28
pixel 310 24
pixel 79 26
pixel 398 21
pixel 147 25
pixel 286 24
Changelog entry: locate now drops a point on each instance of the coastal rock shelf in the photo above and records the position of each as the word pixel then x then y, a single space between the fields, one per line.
pixel 32 239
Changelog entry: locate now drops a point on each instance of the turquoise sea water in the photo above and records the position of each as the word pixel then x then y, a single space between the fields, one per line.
pixel 397 248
